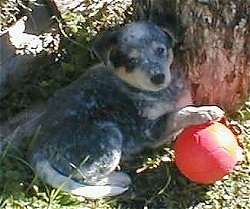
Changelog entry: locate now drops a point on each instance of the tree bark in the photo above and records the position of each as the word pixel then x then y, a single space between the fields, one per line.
pixel 214 44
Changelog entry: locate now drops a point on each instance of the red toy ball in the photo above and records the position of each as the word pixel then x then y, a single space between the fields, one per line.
pixel 207 152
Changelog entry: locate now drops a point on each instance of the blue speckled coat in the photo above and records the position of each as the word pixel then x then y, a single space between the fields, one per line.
pixel 90 124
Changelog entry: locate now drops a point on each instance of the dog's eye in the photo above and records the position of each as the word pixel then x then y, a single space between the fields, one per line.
pixel 116 57
pixel 131 64
pixel 160 51
pixel 133 60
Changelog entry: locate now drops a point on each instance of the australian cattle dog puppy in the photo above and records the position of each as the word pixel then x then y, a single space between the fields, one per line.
pixel 131 101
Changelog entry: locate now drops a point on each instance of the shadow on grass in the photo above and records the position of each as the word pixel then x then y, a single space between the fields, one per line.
pixel 15 174
pixel 162 187
pixel 20 188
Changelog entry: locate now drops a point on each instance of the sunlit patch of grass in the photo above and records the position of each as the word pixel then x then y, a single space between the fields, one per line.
pixel 20 188
pixel 157 183
pixel 9 12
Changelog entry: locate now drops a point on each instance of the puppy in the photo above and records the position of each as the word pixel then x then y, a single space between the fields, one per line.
pixel 112 112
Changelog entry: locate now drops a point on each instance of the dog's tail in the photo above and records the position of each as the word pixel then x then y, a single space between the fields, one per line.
pixel 23 125
pixel 116 184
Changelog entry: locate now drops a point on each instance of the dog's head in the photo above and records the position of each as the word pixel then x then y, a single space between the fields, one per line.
pixel 140 54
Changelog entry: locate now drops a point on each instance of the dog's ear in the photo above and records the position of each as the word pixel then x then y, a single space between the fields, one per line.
pixel 103 45
pixel 170 35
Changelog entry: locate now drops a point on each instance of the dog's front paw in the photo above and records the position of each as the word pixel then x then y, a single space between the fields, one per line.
pixel 212 112
pixel 190 115
pixel 197 115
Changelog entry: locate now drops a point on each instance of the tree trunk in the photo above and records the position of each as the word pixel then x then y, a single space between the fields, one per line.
pixel 214 39
pixel 213 42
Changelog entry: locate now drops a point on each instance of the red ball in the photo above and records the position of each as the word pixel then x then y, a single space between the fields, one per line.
pixel 207 152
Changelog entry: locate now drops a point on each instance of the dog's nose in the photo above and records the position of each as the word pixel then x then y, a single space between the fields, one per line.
pixel 158 79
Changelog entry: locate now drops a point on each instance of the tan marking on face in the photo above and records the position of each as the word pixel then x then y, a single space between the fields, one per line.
pixel 134 54
pixel 139 79
pixel 168 64
pixel 168 76
pixel 170 57
pixel 156 44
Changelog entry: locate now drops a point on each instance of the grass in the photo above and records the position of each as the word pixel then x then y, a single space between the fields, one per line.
pixel 157 183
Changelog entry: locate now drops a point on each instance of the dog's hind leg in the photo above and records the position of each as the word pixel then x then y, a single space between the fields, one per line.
pixel 114 184
pixel 85 166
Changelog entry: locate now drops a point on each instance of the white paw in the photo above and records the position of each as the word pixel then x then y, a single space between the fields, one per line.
pixel 202 114
pixel 116 179
pixel 211 112
pixel 114 184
